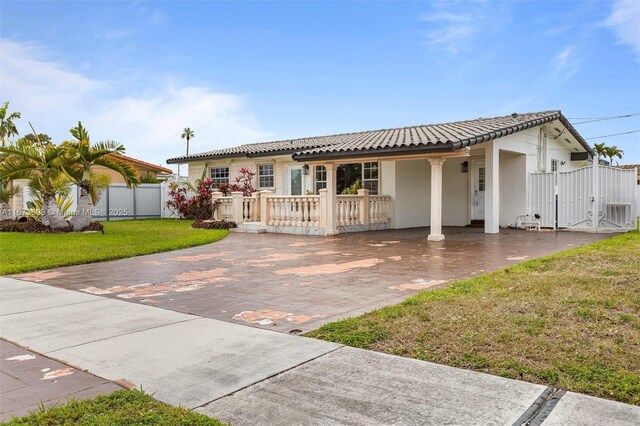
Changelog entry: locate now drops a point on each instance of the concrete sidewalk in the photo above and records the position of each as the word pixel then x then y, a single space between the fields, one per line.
pixel 252 376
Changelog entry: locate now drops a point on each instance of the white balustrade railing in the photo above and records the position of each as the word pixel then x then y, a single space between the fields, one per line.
pixel 348 210
pixel 304 210
pixel 225 209
pixel 379 209
pixel 250 209
pixel 300 210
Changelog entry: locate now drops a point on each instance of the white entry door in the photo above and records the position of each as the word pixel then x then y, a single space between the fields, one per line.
pixel 295 180
pixel 478 188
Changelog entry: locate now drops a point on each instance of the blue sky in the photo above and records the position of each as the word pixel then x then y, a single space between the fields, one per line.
pixel 238 72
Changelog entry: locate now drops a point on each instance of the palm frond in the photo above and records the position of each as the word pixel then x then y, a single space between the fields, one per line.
pixel 127 171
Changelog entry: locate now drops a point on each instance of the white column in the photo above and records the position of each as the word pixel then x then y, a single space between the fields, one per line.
pixel 492 189
pixel 435 233
pixel 265 208
pixel 330 215
pixel 238 211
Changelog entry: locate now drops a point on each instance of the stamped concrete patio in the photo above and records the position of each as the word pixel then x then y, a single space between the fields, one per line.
pixel 297 283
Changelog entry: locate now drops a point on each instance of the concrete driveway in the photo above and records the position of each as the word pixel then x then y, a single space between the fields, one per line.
pixel 250 376
pixel 297 283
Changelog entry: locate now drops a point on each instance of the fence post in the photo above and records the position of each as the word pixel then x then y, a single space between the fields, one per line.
pixel 596 194
pixel 323 207
pixel 364 206
pixel 236 206
pixel 265 211
pixel 134 203
pixel 108 203
pixel 215 196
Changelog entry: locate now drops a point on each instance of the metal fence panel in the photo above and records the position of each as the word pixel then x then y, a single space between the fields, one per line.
pixel 616 197
pixel 119 202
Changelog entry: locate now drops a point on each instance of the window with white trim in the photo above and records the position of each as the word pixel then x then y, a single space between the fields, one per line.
pixel 266 175
pixel 554 165
pixel 370 177
pixel 367 173
pixel 321 178
pixel 219 175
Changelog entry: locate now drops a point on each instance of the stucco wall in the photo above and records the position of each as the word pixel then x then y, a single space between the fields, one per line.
pixel 455 193
pixel 513 176
pixel 235 164
pixel 412 192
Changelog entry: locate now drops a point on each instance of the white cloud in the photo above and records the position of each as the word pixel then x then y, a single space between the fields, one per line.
pixel 54 98
pixel 565 64
pixel 625 22
pixel 454 25
pixel 151 125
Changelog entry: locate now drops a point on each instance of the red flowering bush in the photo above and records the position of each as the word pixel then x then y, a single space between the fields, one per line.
pixel 243 182
pixel 225 188
pixel 192 202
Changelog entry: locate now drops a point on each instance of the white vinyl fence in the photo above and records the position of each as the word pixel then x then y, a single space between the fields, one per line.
pixel 118 202
pixel 591 197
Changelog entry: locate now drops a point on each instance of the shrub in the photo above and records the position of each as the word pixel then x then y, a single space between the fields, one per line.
pixel 214 224
pixel 32 226
pixel 196 206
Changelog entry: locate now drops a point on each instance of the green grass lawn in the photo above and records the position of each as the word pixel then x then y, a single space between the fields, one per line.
pixel 570 320
pixel 125 407
pixel 20 252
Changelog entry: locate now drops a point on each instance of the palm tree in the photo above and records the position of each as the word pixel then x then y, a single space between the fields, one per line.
pixel 7 126
pixel 188 134
pixel 613 151
pixel 600 149
pixel 82 156
pixel 42 165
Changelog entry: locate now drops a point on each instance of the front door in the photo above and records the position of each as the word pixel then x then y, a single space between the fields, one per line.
pixel 479 184
pixel 294 180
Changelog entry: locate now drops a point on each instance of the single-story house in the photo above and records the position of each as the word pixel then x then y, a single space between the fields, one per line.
pixel 450 174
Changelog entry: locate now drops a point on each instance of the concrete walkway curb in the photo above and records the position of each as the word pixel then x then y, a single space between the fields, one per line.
pixel 252 376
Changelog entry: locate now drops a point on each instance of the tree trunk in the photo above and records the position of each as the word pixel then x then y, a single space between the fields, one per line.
pixel 83 215
pixel 51 214
pixel 6 212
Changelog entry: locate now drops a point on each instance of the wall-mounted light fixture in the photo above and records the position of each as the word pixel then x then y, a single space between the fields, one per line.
pixel 305 169
pixel 464 167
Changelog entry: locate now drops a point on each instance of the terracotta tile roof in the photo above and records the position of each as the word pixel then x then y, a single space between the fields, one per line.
pixel 142 163
pixel 422 138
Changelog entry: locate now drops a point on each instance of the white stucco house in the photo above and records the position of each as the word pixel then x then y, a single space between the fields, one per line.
pixel 451 174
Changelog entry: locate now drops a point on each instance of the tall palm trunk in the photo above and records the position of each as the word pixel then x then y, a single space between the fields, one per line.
pixel 84 212
pixel 51 214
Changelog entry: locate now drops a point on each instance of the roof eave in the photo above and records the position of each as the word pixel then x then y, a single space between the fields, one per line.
pixel 576 135
pixel 191 159
pixel 380 152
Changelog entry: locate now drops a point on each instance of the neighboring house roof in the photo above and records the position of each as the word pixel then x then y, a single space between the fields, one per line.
pixel 141 163
pixel 413 139
pixel 631 167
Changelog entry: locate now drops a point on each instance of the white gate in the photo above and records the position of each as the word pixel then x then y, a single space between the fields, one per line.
pixel 575 192
pixel 590 197
pixel 542 198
